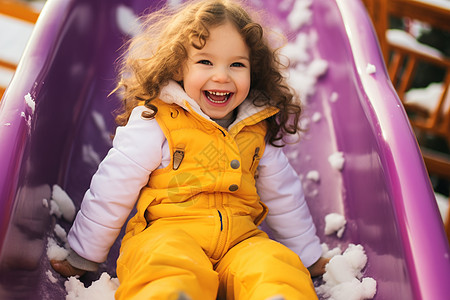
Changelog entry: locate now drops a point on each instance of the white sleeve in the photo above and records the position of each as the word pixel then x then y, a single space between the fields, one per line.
pixel 289 218
pixel 116 185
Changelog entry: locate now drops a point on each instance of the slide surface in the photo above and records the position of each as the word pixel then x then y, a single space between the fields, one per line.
pixel 56 121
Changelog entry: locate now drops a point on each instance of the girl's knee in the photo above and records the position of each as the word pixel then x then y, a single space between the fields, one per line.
pixel 264 267
pixel 163 262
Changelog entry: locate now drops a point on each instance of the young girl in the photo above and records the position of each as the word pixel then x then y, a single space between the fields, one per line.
pixel 205 111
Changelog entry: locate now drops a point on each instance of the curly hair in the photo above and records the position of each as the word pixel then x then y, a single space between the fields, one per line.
pixel 155 55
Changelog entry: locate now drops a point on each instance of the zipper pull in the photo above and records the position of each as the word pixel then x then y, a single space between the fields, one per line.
pixel 255 156
pixel 255 161
pixel 178 156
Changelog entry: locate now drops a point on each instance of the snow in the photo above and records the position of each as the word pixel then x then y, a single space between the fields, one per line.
pixel 334 97
pixel 174 3
pixel 313 175
pixel 54 208
pixel 5 76
pixel 404 39
pixel 443 205
pixel 304 71
pixel 296 51
pixel 14 35
pixel 337 160
pixel 300 14
pixel 335 223
pixel 54 251
pixel 303 77
pixel 370 69
pixel 127 20
pixel 61 205
pixel 61 233
pixel 316 117
pixel 65 206
pixel 51 277
pixel 26 118
pixel 343 279
pixel 327 253
pixel 102 289
pixel 30 102
pixel 442 3
pixel 428 97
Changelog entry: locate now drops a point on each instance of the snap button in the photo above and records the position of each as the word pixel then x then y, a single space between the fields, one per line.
pixel 233 187
pixel 235 164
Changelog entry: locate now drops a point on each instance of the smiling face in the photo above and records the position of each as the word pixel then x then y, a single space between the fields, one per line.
pixel 217 76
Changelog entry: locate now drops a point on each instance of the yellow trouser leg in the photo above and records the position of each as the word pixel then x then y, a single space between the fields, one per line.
pixel 259 268
pixel 159 264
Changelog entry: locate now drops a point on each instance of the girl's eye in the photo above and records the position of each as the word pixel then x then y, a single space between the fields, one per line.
pixel 237 64
pixel 204 62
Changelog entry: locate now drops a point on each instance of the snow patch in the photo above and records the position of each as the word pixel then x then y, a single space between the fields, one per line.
pixel 30 102
pixel 127 21
pixel 343 277
pixel 56 252
pixel 334 97
pixel 316 117
pixel 102 289
pixel 337 160
pixel 335 223
pixel 428 97
pixel 370 69
pixel 50 276
pixel 61 204
pixel 300 14
pixel 313 175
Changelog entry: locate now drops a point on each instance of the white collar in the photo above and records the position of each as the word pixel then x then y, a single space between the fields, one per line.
pixel 173 92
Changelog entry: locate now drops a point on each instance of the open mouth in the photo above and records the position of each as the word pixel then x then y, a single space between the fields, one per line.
pixel 217 97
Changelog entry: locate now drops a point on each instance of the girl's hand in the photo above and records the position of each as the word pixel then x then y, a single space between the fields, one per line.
pixel 64 268
pixel 318 268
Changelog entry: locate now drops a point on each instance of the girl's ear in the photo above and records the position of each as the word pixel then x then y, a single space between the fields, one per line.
pixel 178 75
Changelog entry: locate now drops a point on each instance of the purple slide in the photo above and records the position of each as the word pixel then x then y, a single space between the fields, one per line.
pixel 56 120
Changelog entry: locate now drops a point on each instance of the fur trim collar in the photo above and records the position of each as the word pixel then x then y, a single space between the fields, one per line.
pixel 173 93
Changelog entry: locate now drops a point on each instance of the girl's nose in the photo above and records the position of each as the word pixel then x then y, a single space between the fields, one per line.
pixel 221 75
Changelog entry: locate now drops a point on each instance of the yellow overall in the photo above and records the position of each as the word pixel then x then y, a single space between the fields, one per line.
pixel 195 230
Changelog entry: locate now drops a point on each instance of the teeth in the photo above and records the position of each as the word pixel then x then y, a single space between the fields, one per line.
pixel 214 101
pixel 219 93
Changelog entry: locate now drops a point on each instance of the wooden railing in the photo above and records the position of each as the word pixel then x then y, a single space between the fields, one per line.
pixel 19 10
pixel 402 61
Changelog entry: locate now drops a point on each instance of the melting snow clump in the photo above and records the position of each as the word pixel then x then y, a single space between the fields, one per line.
pixel 102 289
pixel 370 69
pixel 30 102
pixel 428 97
pixel 335 222
pixel 334 97
pixel 51 277
pixel 327 253
pixel 127 21
pixel 61 204
pixel 337 160
pixel 300 14
pixel 316 117
pixel 313 175
pixel 343 277
pixel 55 252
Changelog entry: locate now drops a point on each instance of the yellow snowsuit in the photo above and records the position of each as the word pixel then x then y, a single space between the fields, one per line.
pixel 195 230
